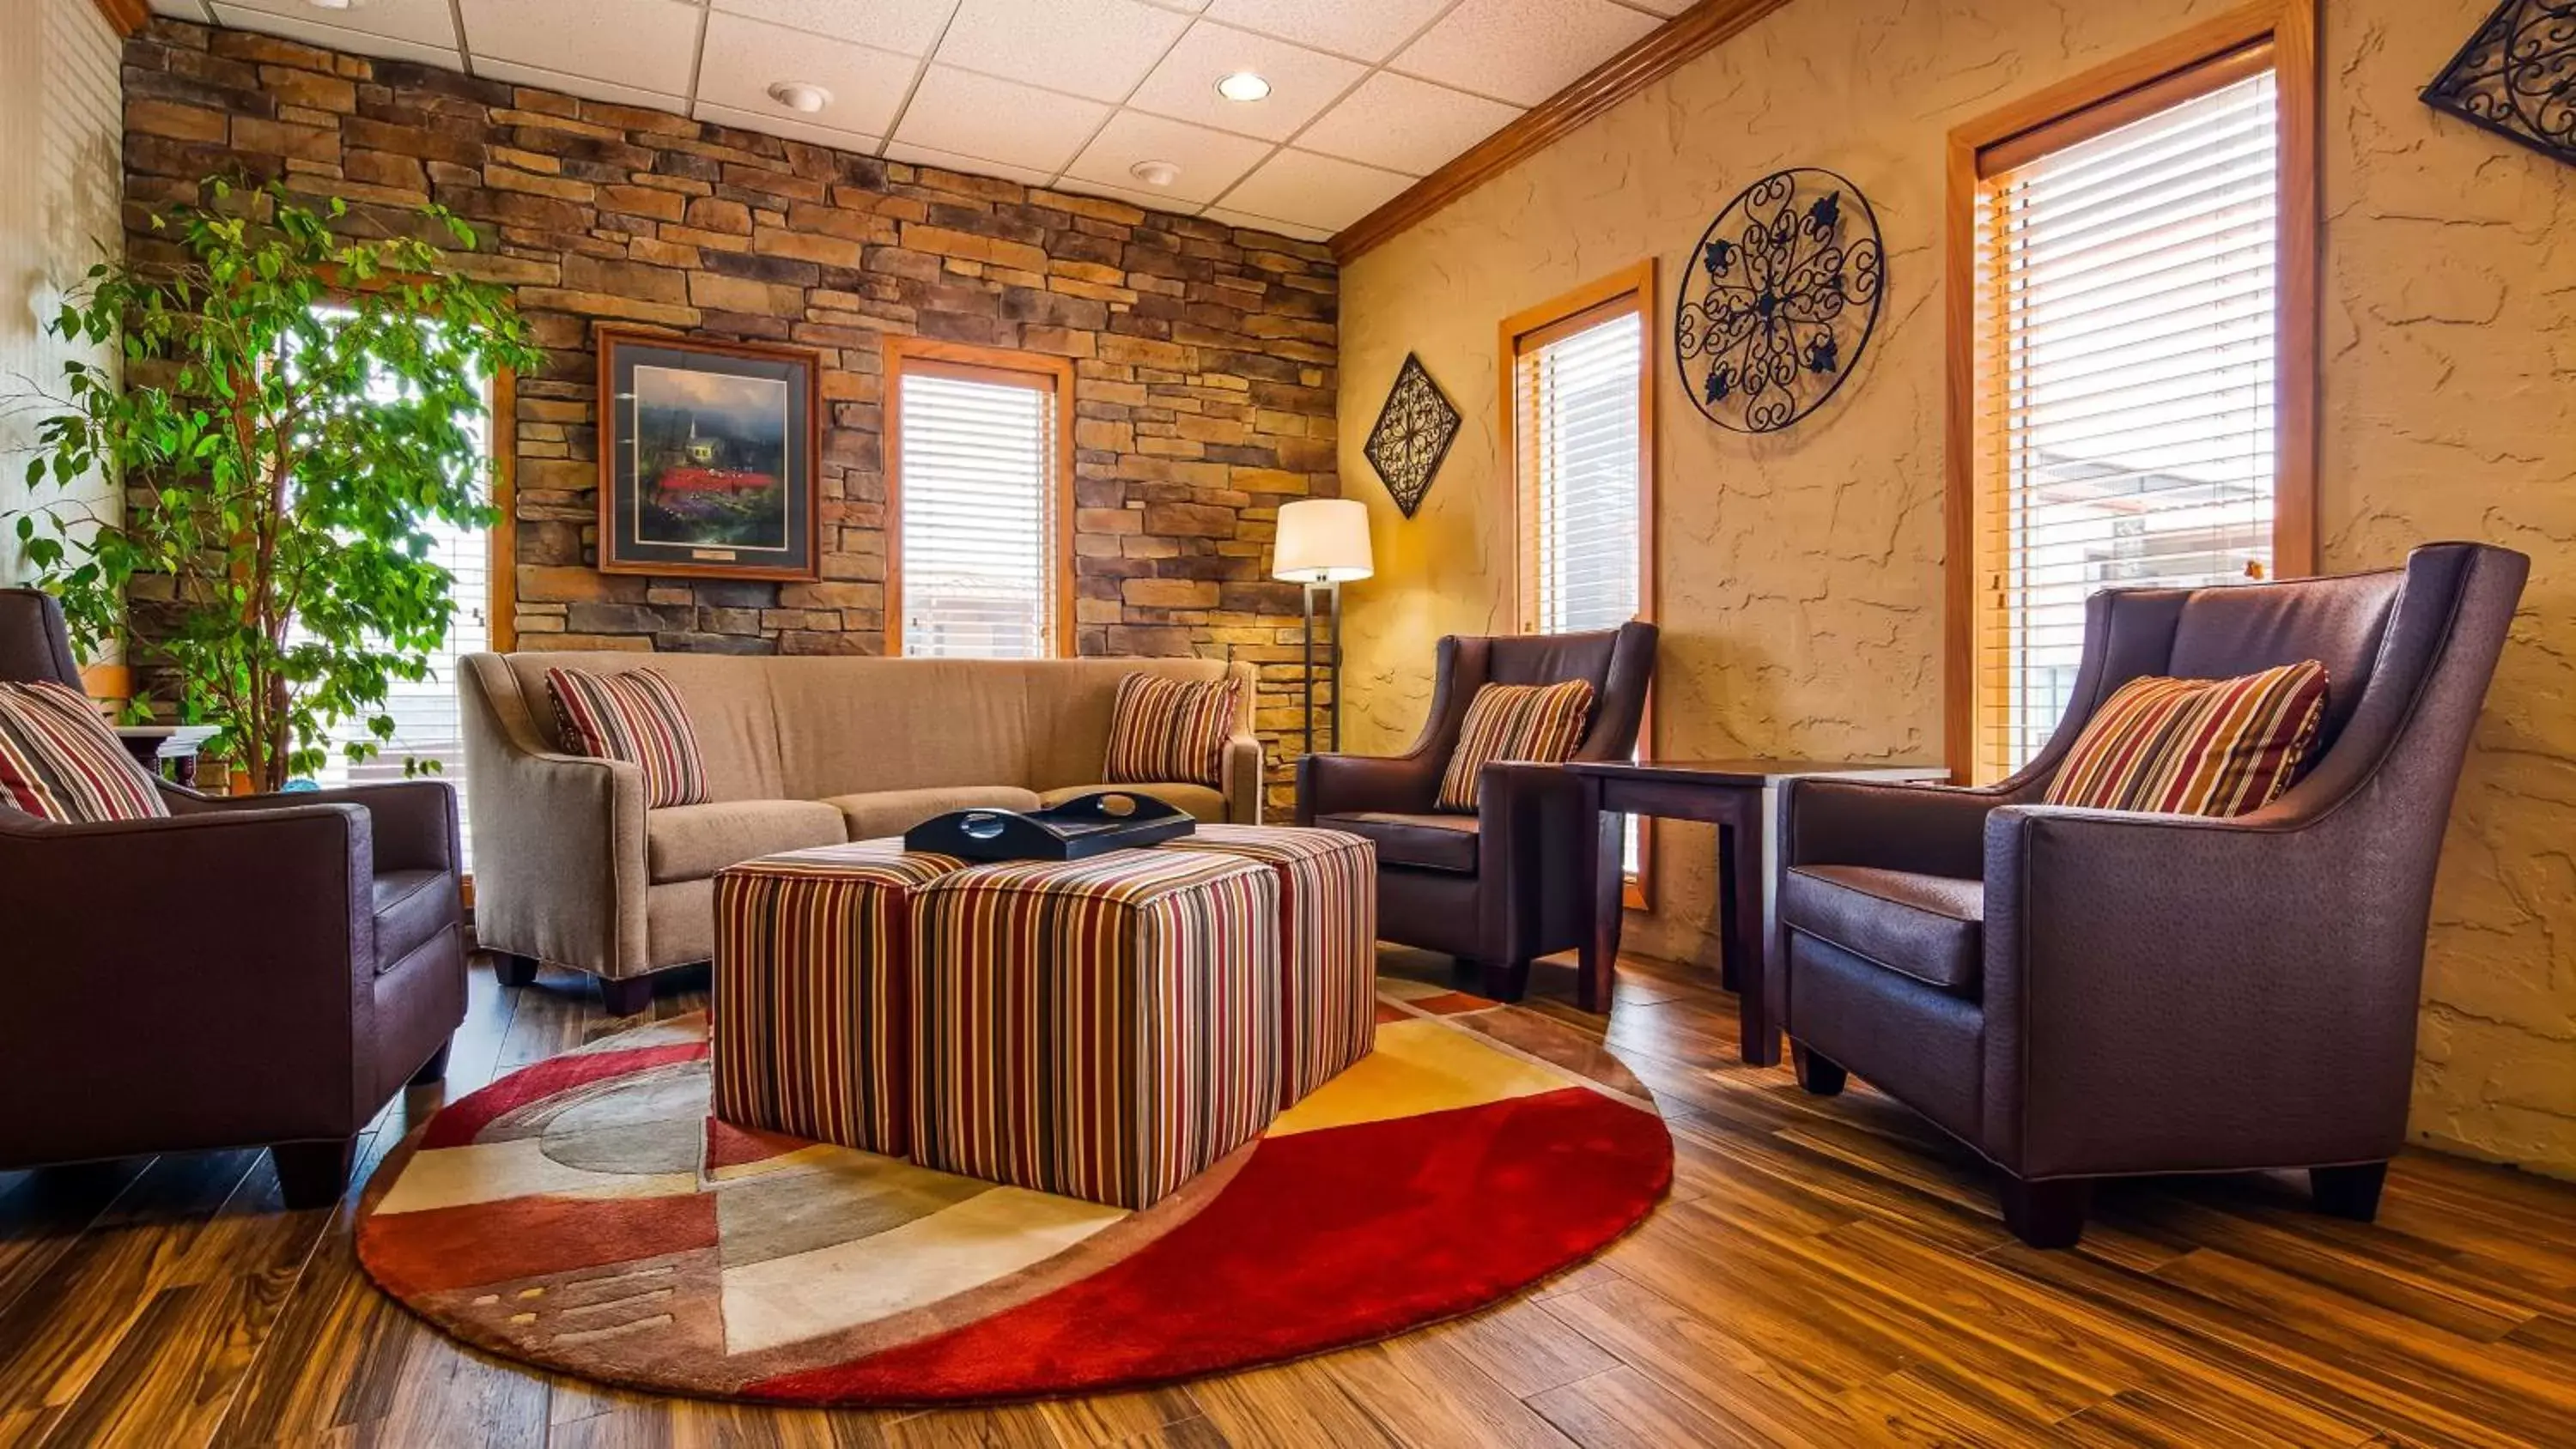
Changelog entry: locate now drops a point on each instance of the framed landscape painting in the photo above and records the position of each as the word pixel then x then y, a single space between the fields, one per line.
pixel 707 457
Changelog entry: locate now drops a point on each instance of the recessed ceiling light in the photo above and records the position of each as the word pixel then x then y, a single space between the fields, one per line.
pixel 1243 85
pixel 798 96
pixel 1155 173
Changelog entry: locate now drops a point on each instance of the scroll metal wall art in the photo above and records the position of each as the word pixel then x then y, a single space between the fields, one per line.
pixel 2517 76
pixel 1779 300
pixel 1412 435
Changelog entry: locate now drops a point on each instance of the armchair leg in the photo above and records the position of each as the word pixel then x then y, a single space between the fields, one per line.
pixel 2348 1192
pixel 1821 1075
pixel 435 1069
pixel 1506 980
pixel 626 996
pixel 514 970
pixel 2047 1214
pixel 313 1174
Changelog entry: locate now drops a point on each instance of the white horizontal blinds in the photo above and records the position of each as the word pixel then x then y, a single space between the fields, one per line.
pixel 1580 436
pixel 1579 428
pixel 2128 337
pixel 978 490
pixel 429 727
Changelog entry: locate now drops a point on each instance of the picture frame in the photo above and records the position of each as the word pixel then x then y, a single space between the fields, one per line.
pixel 709 457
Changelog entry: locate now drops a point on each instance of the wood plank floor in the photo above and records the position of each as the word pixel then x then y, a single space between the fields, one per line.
pixel 1826 1272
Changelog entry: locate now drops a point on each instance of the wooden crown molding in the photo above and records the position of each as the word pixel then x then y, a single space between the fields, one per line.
pixel 1659 54
pixel 125 16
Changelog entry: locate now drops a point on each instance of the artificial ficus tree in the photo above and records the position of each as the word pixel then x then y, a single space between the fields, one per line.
pixel 298 407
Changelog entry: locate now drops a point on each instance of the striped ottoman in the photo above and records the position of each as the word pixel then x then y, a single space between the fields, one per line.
pixel 811 1023
pixel 1102 1029
pixel 1327 944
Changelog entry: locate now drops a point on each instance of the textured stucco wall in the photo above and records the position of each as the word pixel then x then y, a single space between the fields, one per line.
pixel 1802 574
pixel 59 182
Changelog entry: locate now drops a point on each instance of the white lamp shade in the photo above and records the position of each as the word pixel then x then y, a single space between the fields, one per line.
pixel 1322 541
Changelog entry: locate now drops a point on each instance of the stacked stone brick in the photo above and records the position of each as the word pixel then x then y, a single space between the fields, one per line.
pixel 1203 354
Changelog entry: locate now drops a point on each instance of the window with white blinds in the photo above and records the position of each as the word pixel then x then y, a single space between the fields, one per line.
pixel 981 503
pixel 1579 436
pixel 429 728
pixel 2128 349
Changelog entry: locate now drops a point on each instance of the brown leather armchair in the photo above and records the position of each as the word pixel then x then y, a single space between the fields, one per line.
pixel 267 970
pixel 2080 994
pixel 1503 885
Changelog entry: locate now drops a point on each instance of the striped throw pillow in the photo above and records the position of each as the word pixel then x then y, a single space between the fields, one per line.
pixel 1537 722
pixel 59 760
pixel 2195 746
pixel 1170 731
pixel 636 717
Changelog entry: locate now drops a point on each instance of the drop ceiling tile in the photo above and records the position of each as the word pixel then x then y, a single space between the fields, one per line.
pixel 356 42
pixel 1314 191
pixel 972 165
pixel 1095 48
pixel 1302 82
pixel 744 58
pixel 1522 51
pixel 1404 124
pixel 1364 29
pixel 421 22
pixel 795 128
pixel 1210 161
pixel 1266 223
pixel 1133 196
pixel 649 45
pixel 976 115
pixel 579 85
pixel 1662 7
pixel 909 26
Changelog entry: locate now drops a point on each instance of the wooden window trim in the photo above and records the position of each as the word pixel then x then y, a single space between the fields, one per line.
pixel 927 357
pixel 1628 290
pixel 2219 51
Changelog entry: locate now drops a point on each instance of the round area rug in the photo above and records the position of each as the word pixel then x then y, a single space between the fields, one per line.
pixel 587 1215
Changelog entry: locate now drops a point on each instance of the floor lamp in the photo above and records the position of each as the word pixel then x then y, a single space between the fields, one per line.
pixel 1323 543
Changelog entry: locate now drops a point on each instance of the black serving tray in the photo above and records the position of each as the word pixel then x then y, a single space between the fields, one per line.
pixel 1078 829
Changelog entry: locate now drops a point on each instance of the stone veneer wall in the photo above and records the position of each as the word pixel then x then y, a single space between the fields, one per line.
pixel 1204 355
pixel 1802 572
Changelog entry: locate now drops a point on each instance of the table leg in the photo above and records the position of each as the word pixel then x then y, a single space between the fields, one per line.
pixel 1744 952
pixel 1598 865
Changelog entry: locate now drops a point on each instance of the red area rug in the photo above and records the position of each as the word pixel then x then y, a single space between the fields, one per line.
pixel 586 1215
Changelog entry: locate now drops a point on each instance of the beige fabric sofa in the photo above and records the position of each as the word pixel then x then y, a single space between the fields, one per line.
pixel 571 868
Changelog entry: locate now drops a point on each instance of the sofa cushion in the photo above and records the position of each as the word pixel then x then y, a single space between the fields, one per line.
pixel 1170 729
pixel 690 842
pixel 410 907
pixel 1929 927
pixel 1538 722
pixel 2196 746
pixel 1202 802
pixel 892 812
pixel 635 717
pixel 59 760
pixel 1425 842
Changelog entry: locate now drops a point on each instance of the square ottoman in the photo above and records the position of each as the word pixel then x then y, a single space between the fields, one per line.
pixel 810 1025
pixel 1103 1029
pixel 1327 943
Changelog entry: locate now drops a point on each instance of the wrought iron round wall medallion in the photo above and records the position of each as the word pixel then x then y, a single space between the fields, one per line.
pixel 1779 299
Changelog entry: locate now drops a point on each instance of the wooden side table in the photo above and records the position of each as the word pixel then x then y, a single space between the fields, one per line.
pixel 1742 799
pixel 169 751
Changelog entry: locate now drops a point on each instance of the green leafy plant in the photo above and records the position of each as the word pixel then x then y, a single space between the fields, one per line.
pixel 298 408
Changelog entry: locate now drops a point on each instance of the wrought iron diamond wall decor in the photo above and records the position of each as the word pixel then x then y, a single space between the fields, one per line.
pixel 1779 300
pixel 2517 76
pixel 1412 435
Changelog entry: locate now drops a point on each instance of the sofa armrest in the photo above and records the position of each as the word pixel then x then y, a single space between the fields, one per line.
pixel 1340 784
pixel 413 821
pixel 1928 829
pixel 1239 779
pixel 2181 993
pixel 559 860
pixel 200 980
